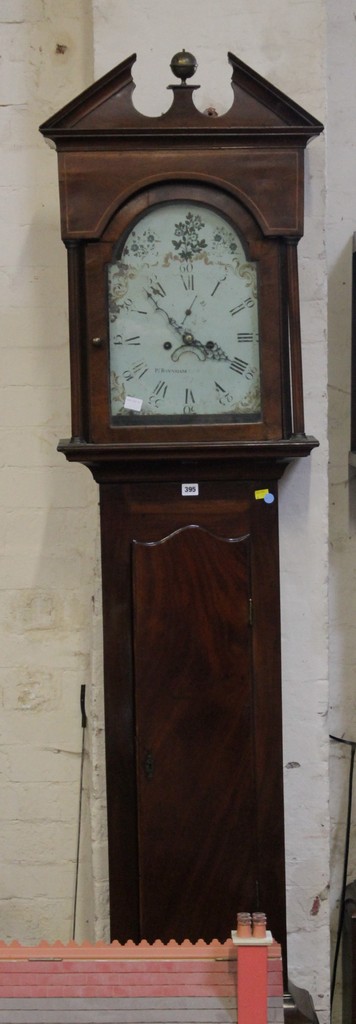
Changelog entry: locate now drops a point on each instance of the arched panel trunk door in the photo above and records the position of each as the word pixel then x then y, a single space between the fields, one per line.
pixel 195 734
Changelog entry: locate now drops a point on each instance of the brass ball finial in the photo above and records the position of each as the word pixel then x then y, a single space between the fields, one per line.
pixel 183 65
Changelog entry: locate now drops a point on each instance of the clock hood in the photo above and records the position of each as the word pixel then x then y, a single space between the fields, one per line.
pixel 105 109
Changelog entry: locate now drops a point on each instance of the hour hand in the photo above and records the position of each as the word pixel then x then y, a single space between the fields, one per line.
pixel 213 351
pixel 210 348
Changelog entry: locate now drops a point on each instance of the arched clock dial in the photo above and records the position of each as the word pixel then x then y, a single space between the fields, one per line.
pixel 184 324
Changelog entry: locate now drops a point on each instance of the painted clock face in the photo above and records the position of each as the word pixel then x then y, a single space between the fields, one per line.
pixel 184 325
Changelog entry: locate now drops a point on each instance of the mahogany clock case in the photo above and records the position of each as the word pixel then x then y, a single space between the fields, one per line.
pixel 190 583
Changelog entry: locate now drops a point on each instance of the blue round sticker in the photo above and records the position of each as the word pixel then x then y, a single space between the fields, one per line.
pixel 269 498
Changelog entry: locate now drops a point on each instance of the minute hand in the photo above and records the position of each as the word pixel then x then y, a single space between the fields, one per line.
pixel 210 349
pixel 177 327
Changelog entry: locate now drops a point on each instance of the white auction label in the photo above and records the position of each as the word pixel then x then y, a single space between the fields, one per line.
pixel 190 490
pixel 133 403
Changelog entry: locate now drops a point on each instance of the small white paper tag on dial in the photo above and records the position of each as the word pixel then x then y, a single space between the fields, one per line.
pixel 190 490
pixel 133 403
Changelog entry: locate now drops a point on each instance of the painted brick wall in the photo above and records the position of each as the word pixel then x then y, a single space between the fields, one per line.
pixel 47 519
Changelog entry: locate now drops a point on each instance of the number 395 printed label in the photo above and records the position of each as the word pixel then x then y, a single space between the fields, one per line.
pixel 190 490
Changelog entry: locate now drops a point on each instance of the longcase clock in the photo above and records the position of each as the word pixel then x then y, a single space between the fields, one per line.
pixel 187 405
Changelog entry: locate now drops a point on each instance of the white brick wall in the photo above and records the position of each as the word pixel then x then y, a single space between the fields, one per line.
pixel 47 510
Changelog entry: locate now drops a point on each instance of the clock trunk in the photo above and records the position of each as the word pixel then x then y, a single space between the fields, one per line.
pixel 193 709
